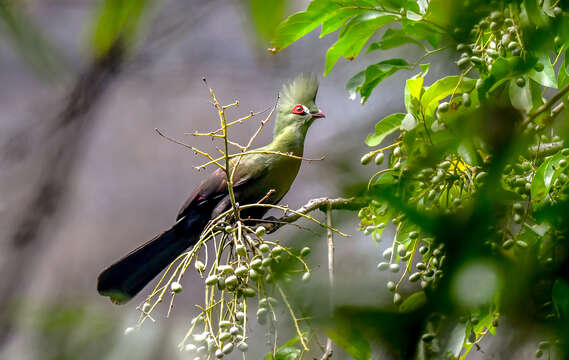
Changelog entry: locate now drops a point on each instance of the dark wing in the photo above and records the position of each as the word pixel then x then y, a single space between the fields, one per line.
pixel 214 188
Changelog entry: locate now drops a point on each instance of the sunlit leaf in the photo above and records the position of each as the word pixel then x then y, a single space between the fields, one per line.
pixel 376 73
pixel 445 87
pixel 392 39
pixel 385 127
pixel 358 32
pixel 546 77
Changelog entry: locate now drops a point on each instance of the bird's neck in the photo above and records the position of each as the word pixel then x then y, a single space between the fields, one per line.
pixel 289 140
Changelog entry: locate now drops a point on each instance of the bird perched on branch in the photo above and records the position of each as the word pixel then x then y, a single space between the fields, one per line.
pixel 259 176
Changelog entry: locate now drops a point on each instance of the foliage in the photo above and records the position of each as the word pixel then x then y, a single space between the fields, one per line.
pixel 476 181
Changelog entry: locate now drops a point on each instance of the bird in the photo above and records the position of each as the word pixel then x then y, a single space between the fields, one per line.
pixel 262 175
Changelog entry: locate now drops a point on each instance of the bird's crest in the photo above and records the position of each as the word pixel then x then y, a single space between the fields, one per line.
pixel 301 90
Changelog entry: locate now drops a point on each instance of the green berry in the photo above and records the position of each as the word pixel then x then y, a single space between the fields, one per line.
pixel 224 336
pixel 366 159
pixel 176 287
pixel 387 253
pixel 539 67
pixel 256 263
pixel 306 277
pixel 305 251
pixel 397 299
pixel 466 99
pixel 444 107
pixel 428 337
pixel 415 277
pixel 241 270
pixel 227 348
pixel 264 248
pixel 557 11
pixel 379 158
pixel 390 286
pixel 242 346
pixel 521 82
pixel 249 292
pixel 277 250
pixel 231 281
pixel 382 266
pixel 241 250
pixel 260 230
pixel 200 266
pixel 394 267
pixel 522 244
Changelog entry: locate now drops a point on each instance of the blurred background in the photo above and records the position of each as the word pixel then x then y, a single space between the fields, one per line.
pixel 85 178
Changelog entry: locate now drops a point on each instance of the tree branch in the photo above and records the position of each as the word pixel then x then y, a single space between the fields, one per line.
pixel 352 204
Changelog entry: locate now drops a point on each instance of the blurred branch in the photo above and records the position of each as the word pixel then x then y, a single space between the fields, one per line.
pixel 329 351
pixel 66 134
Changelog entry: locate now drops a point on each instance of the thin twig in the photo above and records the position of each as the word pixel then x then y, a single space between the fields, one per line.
pixel 195 150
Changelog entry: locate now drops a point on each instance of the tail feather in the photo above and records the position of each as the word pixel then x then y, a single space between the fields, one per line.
pixel 128 276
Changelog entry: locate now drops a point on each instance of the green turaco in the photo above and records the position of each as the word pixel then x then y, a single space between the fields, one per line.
pixel 256 176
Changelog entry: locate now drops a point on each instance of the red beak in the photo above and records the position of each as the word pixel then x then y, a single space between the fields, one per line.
pixel 319 114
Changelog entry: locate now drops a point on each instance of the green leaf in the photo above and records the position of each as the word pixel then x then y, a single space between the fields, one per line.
pixel 392 39
pixel 468 152
pixel 301 23
pixel 384 127
pixel 520 97
pixel 337 19
pixel 544 178
pixel 357 33
pixel 288 353
pixel 351 340
pixel 504 69
pixel 534 12
pixel 452 344
pixel 353 85
pixel 117 18
pixel 376 73
pixel 560 295
pixel 413 90
pixel 546 77
pixel 445 87
pixel 414 302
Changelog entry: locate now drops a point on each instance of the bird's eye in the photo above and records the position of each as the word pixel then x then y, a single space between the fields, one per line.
pixel 299 110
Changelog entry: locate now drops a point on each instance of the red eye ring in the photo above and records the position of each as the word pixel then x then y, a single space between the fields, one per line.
pixel 298 110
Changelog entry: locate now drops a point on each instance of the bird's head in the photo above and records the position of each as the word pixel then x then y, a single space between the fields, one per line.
pixel 297 107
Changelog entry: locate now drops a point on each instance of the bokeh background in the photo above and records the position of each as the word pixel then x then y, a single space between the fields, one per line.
pixel 84 178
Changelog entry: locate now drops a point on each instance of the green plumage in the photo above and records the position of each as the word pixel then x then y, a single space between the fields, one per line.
pixel 256 176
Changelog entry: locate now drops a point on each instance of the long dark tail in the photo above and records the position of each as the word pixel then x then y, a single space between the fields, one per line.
pixel 128 276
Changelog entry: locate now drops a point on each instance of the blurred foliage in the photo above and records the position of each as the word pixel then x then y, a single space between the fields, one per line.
pixel 476 182
pixel 66 331
pixel 117 20
pixel 29 42
pixel 266 15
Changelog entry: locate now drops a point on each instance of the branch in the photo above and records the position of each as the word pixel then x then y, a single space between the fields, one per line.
pixel 546 106
pixel 352 204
